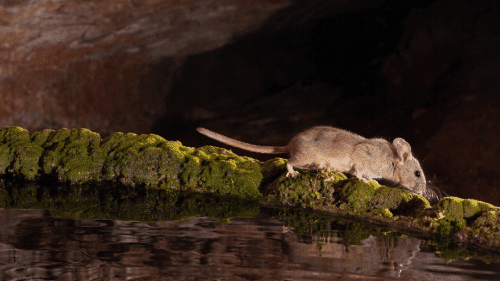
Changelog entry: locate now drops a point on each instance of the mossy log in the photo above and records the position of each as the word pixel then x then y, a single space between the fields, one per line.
pixel 165 168
pixel 81 156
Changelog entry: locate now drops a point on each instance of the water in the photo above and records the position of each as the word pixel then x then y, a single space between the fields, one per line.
pixel 37 246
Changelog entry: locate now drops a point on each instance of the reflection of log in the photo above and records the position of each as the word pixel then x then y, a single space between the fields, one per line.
pixel 165 180
pixel 199 247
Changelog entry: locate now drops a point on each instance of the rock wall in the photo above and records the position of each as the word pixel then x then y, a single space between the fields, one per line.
pixel 105 65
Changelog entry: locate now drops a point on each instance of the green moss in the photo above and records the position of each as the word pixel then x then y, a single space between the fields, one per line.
pixel 14 135
pixel 458 208
pixel 333 192
pixel 488 219
pixel 73 155
pixel 135 158
pixel 171 163
pixel 223 172
pixel 452 209
pixel 80 156
pixel 443 229
pixel 308 188
pixel 272 169
pixel 40 137
pixel 473 208
pixel 17 154
pixel 458 212
pixel 469 218
pixel 5 158
pixel 26 158
pixel 364 197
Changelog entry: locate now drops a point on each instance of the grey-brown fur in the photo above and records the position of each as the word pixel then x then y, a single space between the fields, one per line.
pixel 324 147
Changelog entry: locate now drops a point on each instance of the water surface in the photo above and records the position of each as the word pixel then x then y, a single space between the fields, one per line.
pixel 36 246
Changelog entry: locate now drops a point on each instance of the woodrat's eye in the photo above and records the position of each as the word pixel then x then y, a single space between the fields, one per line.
pixel 417 173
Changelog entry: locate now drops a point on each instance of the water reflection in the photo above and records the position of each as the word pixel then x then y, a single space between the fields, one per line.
pixel 35 245
pixel 375 257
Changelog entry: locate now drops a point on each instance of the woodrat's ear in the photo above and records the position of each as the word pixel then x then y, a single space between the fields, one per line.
pixel 403 148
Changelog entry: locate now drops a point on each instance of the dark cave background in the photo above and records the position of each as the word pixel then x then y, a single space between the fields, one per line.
pixel 422 71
